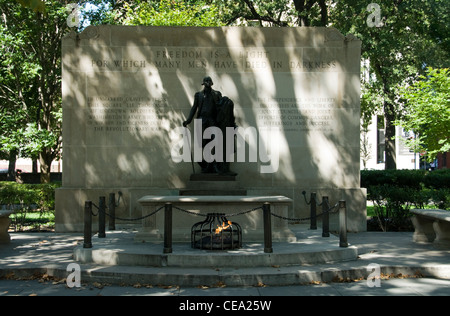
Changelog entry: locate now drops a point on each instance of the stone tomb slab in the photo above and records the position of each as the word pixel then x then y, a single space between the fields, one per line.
pixel 251 222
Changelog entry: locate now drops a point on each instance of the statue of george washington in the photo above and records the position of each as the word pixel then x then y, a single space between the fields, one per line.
pixel 213 110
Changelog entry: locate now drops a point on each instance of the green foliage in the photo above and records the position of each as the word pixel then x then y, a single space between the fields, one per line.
pixel 36 5
pixel 427 112
pixel 41 195
pixel 416 179
pixel 261 13
pixel 394 192
pixel 11 137
pixel 30 80
pixel 34 204
pixel 411 34
pixel 172 13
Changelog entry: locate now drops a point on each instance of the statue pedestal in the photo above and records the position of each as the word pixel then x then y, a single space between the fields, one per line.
pixel 213 184
pixel 251 222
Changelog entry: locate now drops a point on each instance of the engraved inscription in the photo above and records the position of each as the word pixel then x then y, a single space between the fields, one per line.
pixel 234 59
pixel 125 114
pixel 297 114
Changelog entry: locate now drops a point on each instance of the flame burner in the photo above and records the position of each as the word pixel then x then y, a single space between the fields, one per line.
pixel 216 233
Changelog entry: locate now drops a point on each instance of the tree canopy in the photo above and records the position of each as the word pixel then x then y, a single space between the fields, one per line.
pixel 427 112
pixel 410 35
pixel 171 13
pixel 36 5
pixel 30 83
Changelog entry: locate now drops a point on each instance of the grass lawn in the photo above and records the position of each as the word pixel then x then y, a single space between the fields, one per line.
pixel 32 221
pixel 370 211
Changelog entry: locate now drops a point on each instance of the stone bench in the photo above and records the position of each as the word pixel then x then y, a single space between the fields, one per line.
pixel 432 226
pixel 251 222
pixel 4 225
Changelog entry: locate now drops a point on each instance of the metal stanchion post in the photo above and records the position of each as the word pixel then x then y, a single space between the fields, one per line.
pixel 168 228
pixel 87 225
pixel 342 224
pixel 313 211
pixel 325 217
pixel 267 228
pixel 112 211
pixel 101 217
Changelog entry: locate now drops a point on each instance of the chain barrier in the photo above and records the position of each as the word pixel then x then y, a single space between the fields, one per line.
pixel 267 215
pixel 313 195
pixel 126 219
pixel 189 212
pixel 244 212
pixel 226 215
pixel 175 207
pixel 332 209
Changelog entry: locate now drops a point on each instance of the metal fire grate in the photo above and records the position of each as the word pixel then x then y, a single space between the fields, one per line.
pixel 216 233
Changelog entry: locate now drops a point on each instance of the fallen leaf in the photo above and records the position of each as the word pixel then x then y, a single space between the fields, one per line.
pixel 220 284
pixel 98 285
pixel 418 274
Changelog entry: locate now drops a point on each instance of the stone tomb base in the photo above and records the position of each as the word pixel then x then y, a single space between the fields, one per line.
pixel 119 248
pixel 251 222
pixel 4 225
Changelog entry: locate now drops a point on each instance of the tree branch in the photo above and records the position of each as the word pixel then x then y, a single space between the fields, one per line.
pixel 261 18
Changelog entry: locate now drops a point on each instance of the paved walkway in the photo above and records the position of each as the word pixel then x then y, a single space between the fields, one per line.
pixel 427 270
pixel 393 287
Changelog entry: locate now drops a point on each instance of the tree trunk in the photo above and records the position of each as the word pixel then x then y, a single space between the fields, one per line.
pixel 46 163
pixel 12 165
pixel 390 158
pixel 34 166
pixel 300 6
pixel 323 12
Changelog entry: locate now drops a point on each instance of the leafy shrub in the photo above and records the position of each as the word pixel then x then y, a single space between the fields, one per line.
pixel 26 198
pixel 395 192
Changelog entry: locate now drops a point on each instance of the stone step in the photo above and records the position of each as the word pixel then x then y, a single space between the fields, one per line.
pixel 216 277
pixel 183 256
pixel 120 248
pixel 227 277
pixel 119 259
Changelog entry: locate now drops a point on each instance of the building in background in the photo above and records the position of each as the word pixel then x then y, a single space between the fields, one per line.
pixel 373 149
pixel 26 165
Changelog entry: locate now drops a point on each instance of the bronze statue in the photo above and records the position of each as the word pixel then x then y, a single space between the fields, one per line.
pixel 213 110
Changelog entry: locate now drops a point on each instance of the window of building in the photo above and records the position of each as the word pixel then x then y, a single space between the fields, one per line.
pixel 380 139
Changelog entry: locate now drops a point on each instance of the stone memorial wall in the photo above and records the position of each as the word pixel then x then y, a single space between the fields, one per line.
pixel 127 91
